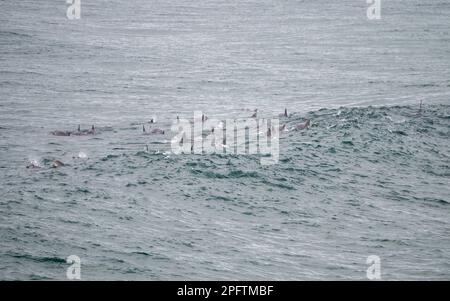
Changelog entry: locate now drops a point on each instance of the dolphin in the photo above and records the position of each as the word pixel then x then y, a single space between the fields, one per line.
pixel 419 113
pixel 61 133
pixel 157 131
pixel 304 125
pixel 154 131
pixel 283 128
pixel 80 132
pixel 57 164
pixel 33 164
pixel 224 142
pixel 285 114
pixel 91 131
pixel 182 142
pixel 144 131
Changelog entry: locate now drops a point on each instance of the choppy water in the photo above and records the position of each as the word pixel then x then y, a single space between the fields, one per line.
pixel 369 178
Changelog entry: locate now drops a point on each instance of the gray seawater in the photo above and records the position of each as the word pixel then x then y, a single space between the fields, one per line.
pixel 370 177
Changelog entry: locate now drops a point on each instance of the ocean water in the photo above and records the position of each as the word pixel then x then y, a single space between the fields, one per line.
pixel 370 177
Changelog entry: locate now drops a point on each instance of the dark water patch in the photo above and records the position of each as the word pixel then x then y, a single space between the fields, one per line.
pixel 302 222
pixel 435 200
pixel 348 142
pixel 399 132
pixel 397 196
pixel 144 154
pixel 21 35
pixel 398 242
pixel 278 185
pixel 243 174
pixel 39 277
pixel 39 198
pixel 428 85
pixel 110 157
pixel 82 190
pixel 432 171
pixel 285 160
pixel 220 198
pixel 74 222
pixel 142 253
pixel 208 174
pixel 43 259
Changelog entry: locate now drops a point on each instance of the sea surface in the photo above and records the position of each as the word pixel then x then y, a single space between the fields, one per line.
pixel 370 177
